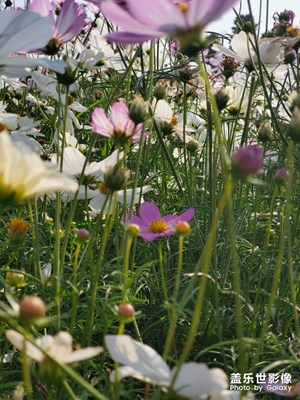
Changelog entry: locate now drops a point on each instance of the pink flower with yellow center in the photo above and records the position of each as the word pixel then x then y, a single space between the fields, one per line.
pixel 152 225
pixel 118 126
pixel 65 27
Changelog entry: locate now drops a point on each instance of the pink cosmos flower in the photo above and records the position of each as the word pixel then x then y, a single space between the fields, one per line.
pixel 118 126
pixel 282 175
pixel 66 26
pixel 144 20
pixel 152 225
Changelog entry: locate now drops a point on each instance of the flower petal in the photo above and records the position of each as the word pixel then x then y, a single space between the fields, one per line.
pixel 82 354
pixel 101 124
pixel 195 381
pixel 17 340
pixel 147 365
pixel 149 212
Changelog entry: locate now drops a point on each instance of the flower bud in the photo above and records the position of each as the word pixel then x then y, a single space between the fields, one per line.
pixel 139 110
pixel 46 272
pixel 115 177
pixel 282 175
pixel 294 99
pixel 133 229
pixel 294 127
pixel 17 230
pixel 264 132
pixel 192 42
pixel 14 278
pixel 160 90
pixel 182 228
pixel 126 310
pixel 192 146
pixel 47 219
pixel 82 235
pixel 290 56
pixel 248 160
pixel 32 308
pixel 70 74
pixel 166 128
pixel 221 99
pixel 229 67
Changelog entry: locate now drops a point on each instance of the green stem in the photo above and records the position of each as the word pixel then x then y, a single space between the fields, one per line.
pixel 96 269
pixel 236 283
pixel 204 262
pixel 75 290
pixel 264 260
pixel 26 370
pixel 174 312
pixel 162 272
pixel 291 165
pixel 57 261
pixel 69 390
pixel 277 271
pixel 179 266
pixel 125 266
pixel 35 238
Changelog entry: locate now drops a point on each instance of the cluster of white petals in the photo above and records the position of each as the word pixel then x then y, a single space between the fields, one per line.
pixel 192 381
pixel 58 347
pixel 24 175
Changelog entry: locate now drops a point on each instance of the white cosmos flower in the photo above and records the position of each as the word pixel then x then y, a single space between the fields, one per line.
pixel 238 98
pixel 271 50
pixel 24 31
pixel 19 129
pixel 58 347
pixel 24 175
pixel 74 160
pixel 164 113
pixel 73 163
pixel 193 381
pixel 49 85
pixel 99 198
pixel 98 44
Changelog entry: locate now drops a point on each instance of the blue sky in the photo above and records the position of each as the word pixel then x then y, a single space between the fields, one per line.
pixel 224 24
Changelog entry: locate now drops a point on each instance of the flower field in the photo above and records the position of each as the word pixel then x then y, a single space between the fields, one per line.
pixel 150 201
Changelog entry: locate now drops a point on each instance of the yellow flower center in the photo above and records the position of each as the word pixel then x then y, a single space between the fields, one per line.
pixel 158 226
pixel 174 121
pixel 70 99
pixel 4 127
pixel 18 225
pixel 292 31
pixel 9 193
pixel 183 7
pixel 102 188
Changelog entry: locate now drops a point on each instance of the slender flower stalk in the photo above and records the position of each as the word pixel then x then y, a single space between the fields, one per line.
pixel 96 269
pixel 284 234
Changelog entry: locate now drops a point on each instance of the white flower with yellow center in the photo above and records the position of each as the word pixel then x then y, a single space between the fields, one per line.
pixel 24 175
